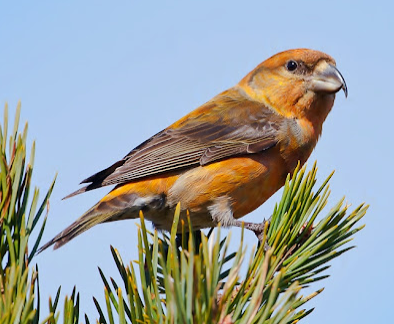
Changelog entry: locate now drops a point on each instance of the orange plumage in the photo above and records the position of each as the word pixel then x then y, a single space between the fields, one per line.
pixel 227 157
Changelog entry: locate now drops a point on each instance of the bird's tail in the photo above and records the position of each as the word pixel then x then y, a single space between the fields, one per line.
pixel 89 219
pixel 113 207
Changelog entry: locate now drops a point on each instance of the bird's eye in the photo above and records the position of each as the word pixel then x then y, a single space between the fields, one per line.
pixel 291 65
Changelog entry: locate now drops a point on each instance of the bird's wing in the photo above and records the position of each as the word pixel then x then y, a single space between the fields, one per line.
pixel 222 128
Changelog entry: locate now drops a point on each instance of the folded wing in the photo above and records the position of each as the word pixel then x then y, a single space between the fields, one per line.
pixel 222 128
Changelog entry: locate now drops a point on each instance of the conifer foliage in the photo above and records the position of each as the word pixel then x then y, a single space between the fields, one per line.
pixel 188 278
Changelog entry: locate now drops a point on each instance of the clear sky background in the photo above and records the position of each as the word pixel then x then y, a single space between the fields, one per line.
pixel 96 78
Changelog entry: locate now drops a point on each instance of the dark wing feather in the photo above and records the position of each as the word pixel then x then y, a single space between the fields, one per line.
pixel 252 129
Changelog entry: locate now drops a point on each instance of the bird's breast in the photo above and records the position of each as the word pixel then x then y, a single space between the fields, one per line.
pixel 297 140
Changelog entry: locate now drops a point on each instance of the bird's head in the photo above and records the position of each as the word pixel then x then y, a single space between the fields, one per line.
pixel 294 82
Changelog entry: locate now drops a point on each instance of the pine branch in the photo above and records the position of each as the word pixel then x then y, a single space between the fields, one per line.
pixel 185 284
pixel 19 218
pixel 193 278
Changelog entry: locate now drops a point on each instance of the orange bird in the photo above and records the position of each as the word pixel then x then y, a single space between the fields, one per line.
pixel 227 157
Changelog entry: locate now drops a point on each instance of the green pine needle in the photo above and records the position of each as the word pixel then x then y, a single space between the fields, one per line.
pixel 192 279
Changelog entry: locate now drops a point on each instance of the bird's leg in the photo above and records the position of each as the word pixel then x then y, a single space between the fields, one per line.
pixel 257 228
pixel 221 212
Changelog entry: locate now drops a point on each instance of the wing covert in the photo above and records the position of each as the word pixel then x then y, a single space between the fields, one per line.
pixel 222 128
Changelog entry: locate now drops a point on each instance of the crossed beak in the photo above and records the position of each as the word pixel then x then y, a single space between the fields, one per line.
pixel 327 79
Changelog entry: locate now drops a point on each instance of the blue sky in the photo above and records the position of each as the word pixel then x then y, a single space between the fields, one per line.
pixel 97 78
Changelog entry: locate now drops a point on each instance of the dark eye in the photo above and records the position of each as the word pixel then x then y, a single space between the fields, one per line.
pixel 291 65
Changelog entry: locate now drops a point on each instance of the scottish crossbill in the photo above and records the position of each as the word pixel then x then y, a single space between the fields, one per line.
pixel 227 157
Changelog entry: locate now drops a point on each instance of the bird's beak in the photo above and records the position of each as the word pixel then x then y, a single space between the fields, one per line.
pixel 327 79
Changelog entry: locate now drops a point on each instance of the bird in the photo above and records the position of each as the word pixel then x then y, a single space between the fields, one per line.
pixel 225 158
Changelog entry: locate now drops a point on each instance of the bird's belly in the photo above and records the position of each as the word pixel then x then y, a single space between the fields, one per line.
pixel 247 182
pixel 244 182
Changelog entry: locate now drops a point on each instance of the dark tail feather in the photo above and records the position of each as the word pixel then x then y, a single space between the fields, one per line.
pixel 79 191
pixel 84 189
pixel 100 176
pixel 96 179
